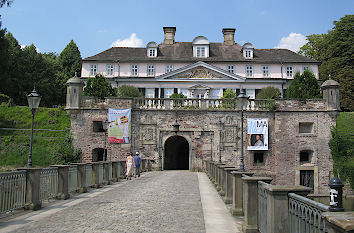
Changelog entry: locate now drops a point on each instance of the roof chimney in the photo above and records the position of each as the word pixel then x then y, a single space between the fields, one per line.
pixel 229 35
pixel 169 35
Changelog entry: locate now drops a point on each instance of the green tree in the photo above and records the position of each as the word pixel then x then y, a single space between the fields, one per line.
pixel 99 87
pixel 335 51
pixel 304 86
pixel 269 93
pixel 178 96
pixel 65 153
pixel 128 91
pixel 70 61
pixel 229 94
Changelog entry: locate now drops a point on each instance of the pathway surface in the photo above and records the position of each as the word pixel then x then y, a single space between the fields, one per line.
pixel 168 201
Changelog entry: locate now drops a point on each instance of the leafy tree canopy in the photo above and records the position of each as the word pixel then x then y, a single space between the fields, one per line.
pixel 178 96
pixel 70 60
pixel 229 94
pixel 304 86
pixel 128 91
pixel 269 93
pixel 99 87
pixel 335 51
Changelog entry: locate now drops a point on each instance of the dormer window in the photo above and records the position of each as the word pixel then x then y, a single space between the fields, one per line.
pixel 200 47
pixel 247 49
pixel 151 49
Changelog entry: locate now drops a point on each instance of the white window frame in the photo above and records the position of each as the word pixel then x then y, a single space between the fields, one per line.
pixel 231 69
pixel 134 69
pixel 109 69
pixel 200 51
pixel 266 72
pixel 249 71
pixel 169 68
pixel 93 69
pixel 289 71
pixel 152 52
pixel 150 70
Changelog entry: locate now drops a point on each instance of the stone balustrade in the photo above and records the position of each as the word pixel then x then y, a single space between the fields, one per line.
pixel 267 207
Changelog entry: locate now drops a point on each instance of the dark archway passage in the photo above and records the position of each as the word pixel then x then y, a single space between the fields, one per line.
pixel 176 153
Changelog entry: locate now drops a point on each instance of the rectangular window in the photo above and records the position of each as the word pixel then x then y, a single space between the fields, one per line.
pixel 98 126
pixel 134 70
pixel 169 68
pixel 306 178
pixel 109 69
pixel 162 93
pixel 248 53
pixel 258 158
pixel 305 127
pixel 265 71
pixel 152 52
pixel 93 70
pixel 231 69
pixel 151 70
pixel 249 71
pixel 200 51
pixel 289 71
pixel 175 90
pixel 156 92
pixel 142 91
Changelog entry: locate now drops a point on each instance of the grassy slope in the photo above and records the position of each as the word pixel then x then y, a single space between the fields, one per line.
pixel 14 145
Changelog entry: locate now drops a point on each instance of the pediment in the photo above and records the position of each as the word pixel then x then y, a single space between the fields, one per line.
pixel 200 71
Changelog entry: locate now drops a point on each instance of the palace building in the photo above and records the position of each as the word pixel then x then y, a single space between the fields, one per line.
pixel 197 69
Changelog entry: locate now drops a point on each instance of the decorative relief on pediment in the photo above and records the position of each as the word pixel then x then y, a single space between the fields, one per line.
pixel 199 74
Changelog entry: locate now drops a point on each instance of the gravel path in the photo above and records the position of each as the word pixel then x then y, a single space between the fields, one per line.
pixel 167 201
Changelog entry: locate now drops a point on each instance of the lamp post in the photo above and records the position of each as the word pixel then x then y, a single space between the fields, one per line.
pixel 211 133
pixel 105 125
pixel 242 97
pixel 221 128
pixel 33 102
pixel 175 127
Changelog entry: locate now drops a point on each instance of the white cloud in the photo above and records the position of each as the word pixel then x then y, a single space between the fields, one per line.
pixel 292 42
pixel 22 46
pixel 132 41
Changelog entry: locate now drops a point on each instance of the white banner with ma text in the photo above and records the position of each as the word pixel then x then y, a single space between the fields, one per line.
pixel 257 134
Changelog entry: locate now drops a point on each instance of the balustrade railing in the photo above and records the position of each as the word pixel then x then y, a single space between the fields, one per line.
pixel 12 190
pixel 262 207
pixel 48 183
pixel 72 178
pixel 88 175
pixel 305 215
pixel 202 104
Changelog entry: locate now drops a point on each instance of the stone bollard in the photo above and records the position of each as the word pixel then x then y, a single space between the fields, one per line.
pixel 115 171
pixel 278 218
pixel 122 169
pixel 63 181
pixel 228 185
pixel 339 222
pixel 217 175
pixel 250 203
pixel 107 169
pixel 223 179
pixel 237 192
pixel 336 195
pixel 33 175
pixel 96 175
pixel 81 177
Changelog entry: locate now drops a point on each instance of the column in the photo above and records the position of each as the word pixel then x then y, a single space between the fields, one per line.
pixel 237 192
pixel 33 201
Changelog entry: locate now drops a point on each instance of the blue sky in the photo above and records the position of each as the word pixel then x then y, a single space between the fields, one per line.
pixel 96 25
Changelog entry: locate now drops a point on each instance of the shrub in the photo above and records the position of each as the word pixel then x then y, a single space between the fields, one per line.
pixel 128 91
pixel 65 153
pixel 304 86
pixel 99 87
pixel 178 96
pixel 4 98
pixel 269 93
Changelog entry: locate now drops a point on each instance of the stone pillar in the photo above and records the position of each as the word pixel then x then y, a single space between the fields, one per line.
pixel 217 175
pixel 96 175
pixel 33 175
pixel 115 171
pixel 278 219
pixel 222 179
pixel 228 185
pixel 81 177
pixel 63 181
pixel 122 168
pixel 339 221
pixel 250 197
pixel 106 171
pixel 237 192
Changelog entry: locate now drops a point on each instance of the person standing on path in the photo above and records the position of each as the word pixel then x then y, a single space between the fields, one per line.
pixel 137 161
pixel 129 165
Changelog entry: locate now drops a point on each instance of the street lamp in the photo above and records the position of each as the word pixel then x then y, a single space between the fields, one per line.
pixel 221 128
pixel 211 133
pixel 175 127
pixel 105 125
pixel 242 97
pixel 33 102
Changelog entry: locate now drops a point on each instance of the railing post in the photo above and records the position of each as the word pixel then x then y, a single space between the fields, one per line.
pixel 122 168
pixel 228 184
pixel 223 179
pixel 96 175
pixel 33 201
pixel 106 171
pixel 217 175
pixel 115 171
pixel 250 203
pixel 63 181
pixel 278 218
pixel 237 192
pixel 81 177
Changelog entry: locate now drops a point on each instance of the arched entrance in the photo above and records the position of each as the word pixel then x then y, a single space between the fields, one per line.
pixel 176 153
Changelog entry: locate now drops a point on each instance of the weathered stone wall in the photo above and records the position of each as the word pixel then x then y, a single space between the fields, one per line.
pixel 151 128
